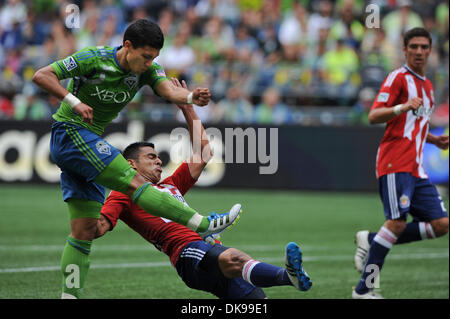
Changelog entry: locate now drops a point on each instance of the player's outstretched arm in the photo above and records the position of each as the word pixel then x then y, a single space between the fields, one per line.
pixel 199 140
pixel 385 114
pixel 181 95
pixel 47 79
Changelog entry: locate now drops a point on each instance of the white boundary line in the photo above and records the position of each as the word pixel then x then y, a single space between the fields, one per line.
pixel 269 259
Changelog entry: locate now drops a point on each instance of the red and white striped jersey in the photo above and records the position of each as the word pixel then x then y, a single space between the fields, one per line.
pixel 401 149
pixel 164 234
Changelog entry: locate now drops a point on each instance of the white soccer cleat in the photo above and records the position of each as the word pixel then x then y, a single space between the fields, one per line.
pixel 369 295
pixel 362 249
pixel 219 222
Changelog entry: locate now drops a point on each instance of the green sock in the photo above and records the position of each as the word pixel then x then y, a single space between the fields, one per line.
pixel 75 265
pixel 164 205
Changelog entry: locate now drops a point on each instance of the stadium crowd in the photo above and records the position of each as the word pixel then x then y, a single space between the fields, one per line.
pixel 264 61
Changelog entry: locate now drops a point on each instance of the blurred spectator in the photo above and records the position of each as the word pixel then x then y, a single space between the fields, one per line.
pixel 112 11
pixel 442 13
pixel 245 46
pixel 268 41
pixel 34 31
pixel 339 71
pixel 194 22
pixel 339 65
pixel 226 10
pixel 293 30
pixel 167 24
pixel 378 50
pixel 234 108
pixel 360 111
pixel 271 110
pixel 14 12
pixel 320 19
pixel 38 59
pixel 64 38
pixel 108 35
pixel 6 108
pixel 88 34
pixel 400 20
pixel 315 52
pixel 348 28
pixel 178 56
pixel 29 106
pixel 217 42
pixel 12 37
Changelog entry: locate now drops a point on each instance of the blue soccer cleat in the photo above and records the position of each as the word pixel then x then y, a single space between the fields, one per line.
pixel 294 267
pixel 219 222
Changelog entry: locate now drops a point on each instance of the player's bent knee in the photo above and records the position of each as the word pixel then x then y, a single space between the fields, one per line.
pixel 118 175
pixel 84 228
pixel 232 261
pixel 84 215
pixel 440 226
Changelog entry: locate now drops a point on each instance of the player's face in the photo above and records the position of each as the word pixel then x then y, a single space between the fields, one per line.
pixel 149 165
pixel 140 59
pixel 417 52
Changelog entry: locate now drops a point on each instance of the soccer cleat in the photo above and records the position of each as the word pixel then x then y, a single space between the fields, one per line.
pixel 362 249
pixel 368 295
pixel 294 267
pixel 219 222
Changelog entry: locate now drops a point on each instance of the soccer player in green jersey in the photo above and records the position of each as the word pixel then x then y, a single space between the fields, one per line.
pixel 103 81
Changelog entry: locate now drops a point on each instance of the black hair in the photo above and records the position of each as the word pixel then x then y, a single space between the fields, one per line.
pixel 416 32
pixel 144 32
pixel 132 150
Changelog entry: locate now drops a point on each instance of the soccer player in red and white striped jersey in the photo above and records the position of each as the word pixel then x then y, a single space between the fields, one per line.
pixel 223 271
pixel 405 103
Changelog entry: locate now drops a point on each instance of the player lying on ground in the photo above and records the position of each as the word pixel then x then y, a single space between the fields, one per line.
pixel 103 81
pixel 224 272
pixel 405 102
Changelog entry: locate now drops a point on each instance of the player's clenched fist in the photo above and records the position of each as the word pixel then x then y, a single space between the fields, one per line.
pixel 85 112
pixel 412 104
pixel 201 96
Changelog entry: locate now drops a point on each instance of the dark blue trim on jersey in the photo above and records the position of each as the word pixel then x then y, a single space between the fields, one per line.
pixel 64 73
pixel 423 78
pixel 117 61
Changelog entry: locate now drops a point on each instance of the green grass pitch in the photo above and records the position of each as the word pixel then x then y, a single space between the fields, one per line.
pixel 34 225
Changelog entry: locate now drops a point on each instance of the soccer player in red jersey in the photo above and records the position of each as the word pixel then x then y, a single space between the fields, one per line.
pixel 405 103
pixel 225 272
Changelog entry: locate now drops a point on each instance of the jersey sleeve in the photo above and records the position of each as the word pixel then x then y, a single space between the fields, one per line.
pixel 80 63
pixel 390 92
pixel 153 76
pixel 114 206
pixel 181 178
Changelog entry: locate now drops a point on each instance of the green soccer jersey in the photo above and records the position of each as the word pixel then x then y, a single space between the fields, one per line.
pixel 98 81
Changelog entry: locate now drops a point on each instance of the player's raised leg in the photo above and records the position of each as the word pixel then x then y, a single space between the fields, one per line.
pixel 120 176
pixel 234 263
